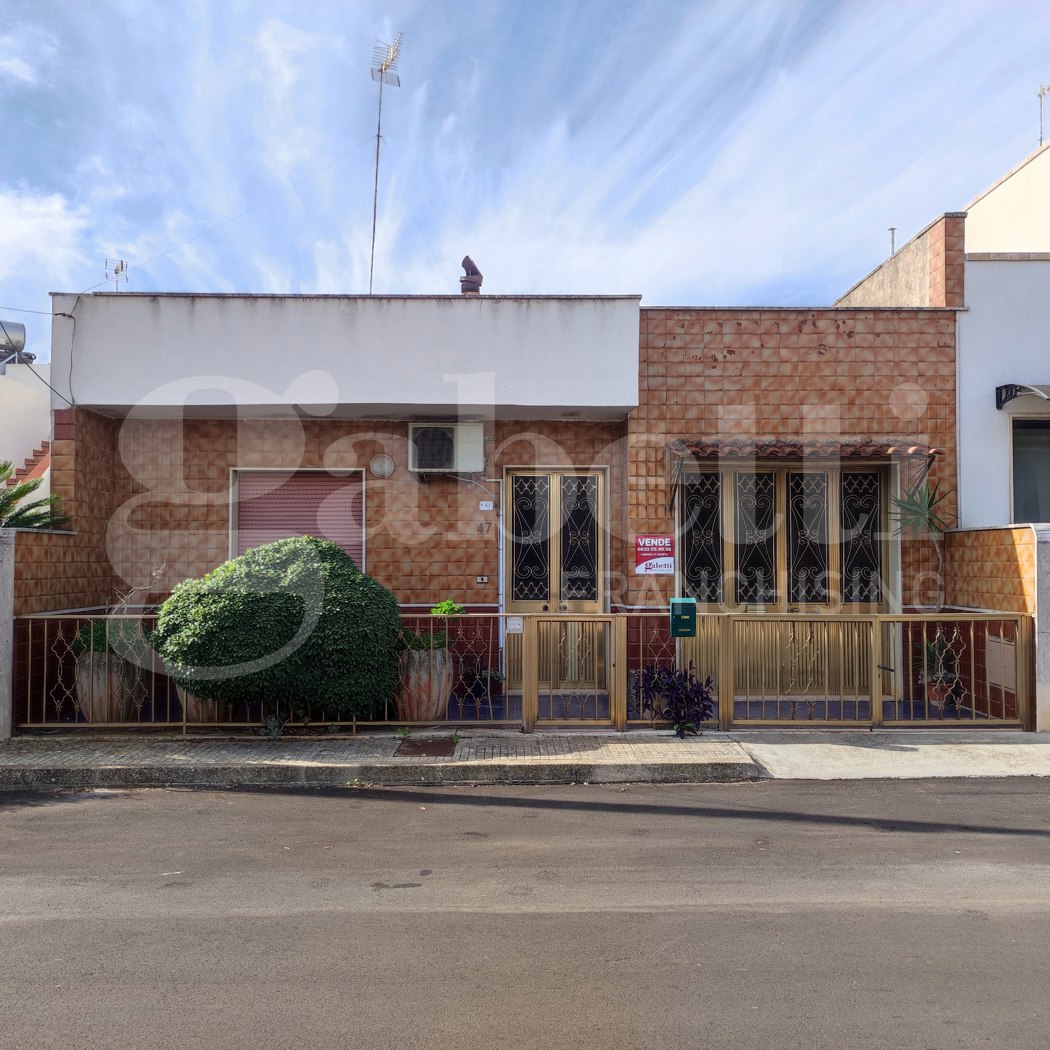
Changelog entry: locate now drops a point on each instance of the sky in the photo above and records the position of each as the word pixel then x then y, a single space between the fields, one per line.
pixel 714 152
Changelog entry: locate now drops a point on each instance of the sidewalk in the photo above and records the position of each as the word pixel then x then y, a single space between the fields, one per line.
pixel 490 757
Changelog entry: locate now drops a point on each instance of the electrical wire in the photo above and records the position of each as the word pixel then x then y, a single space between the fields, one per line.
pixel 48 385
pixel 72 346
pixel 22 310
pixel 29 365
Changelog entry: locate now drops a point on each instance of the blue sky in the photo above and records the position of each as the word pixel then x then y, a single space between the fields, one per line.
pixel 732 153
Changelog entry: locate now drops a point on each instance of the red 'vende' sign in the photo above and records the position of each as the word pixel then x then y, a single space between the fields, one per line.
pixel 654 555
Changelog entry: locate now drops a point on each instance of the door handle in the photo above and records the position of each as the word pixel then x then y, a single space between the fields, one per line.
pixel 563 608
pixel 546 608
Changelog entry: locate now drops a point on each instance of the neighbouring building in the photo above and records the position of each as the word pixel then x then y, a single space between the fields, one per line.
pixel 25 421
pixel 993 262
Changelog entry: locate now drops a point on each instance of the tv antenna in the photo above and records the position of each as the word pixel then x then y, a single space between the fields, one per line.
pixel 384 71
pixel 116 271
pixel 1044 90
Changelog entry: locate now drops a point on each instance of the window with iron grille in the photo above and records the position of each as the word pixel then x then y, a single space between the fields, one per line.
pixel 783 536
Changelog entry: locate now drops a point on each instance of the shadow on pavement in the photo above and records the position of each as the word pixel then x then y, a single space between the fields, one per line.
pixel 36 799
pixel 474 797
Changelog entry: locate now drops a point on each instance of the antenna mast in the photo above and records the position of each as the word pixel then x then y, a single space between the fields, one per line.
pixel 1044 90
pixel 384 71
pixel 116 271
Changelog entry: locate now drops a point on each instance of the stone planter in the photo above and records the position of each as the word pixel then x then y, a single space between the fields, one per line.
pixel 938 693
pixel 105 688
pixel 427 676
pixel 197 710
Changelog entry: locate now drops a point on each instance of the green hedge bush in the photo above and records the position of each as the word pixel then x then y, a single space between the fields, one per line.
pixel 294 624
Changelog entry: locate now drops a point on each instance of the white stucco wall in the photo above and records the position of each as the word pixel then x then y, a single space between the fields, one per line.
pixel 25 411
pixel 1003 337
pixel 1014 214
pixel 388 356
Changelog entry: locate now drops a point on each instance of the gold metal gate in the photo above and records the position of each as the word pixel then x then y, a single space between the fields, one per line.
pixel 572 670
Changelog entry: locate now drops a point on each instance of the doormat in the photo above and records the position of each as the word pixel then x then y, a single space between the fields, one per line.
pixel 425 749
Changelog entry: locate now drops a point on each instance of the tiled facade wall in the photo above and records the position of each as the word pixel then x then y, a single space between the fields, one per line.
pixel 947 260
pixel 713 374
pixel 65 571
pixel 425 541
pixel 991 569
pixel 152 494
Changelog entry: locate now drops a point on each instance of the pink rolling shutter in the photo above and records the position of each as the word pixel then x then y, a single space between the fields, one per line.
pixel 274 505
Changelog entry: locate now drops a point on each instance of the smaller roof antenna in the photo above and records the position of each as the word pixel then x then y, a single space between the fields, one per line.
pixel 116 271
pixel 471 284
pixel 1044 90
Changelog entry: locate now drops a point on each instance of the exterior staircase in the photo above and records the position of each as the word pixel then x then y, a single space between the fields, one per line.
pixel 35 465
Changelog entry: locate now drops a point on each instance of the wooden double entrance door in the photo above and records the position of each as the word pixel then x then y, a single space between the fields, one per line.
pixel 556 529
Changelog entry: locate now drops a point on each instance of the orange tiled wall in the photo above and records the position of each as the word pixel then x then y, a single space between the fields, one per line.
pixel 848 373
pixel 150 493
pixel 54 571
pixel 424 541
pixel 991 569
pixel 947 260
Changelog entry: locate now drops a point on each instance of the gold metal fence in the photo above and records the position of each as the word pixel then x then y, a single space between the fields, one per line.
pixel 99 671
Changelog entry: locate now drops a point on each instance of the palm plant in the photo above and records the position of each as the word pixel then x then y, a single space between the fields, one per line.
pixel 917 515
pixel 36 514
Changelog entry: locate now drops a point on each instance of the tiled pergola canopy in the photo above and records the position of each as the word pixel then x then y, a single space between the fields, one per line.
pixel 819 448
pixel 680 452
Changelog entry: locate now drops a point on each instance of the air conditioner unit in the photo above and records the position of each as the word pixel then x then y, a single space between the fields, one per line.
pixel 446 448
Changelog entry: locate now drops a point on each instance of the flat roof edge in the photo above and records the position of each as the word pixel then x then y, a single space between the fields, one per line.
pixel 337 296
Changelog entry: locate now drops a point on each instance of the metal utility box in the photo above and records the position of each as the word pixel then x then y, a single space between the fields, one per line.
pixel 683 617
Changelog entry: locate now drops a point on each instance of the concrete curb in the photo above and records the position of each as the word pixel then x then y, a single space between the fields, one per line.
pixel 383 774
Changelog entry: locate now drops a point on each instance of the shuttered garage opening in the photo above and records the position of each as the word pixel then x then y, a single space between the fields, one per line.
pixel 274 505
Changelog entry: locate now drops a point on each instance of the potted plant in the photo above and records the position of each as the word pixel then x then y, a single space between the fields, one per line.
pixel 937 673
pixel 427 670
pixel 678 697
pixel 109 683
pixel 917 513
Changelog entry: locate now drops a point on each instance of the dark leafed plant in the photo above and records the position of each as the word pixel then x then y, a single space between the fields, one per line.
pixel 294 624
pixel 36 514
pixel 678 697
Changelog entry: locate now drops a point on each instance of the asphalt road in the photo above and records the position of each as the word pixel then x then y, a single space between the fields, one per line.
pixel 908 915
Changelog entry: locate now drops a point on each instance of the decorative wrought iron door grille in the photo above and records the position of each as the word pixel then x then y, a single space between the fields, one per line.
pixel 784 539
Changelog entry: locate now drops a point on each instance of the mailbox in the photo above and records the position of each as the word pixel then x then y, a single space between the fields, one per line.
pixel 683 617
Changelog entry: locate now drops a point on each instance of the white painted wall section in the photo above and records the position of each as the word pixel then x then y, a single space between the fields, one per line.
pixel 352 356
pixel 1003 337
pixel 1014 214
pixel 25 411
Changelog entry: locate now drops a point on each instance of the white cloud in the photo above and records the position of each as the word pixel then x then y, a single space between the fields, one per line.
pixel 39 234
pixel 16 68
pixel 25 54
pixel 734 151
